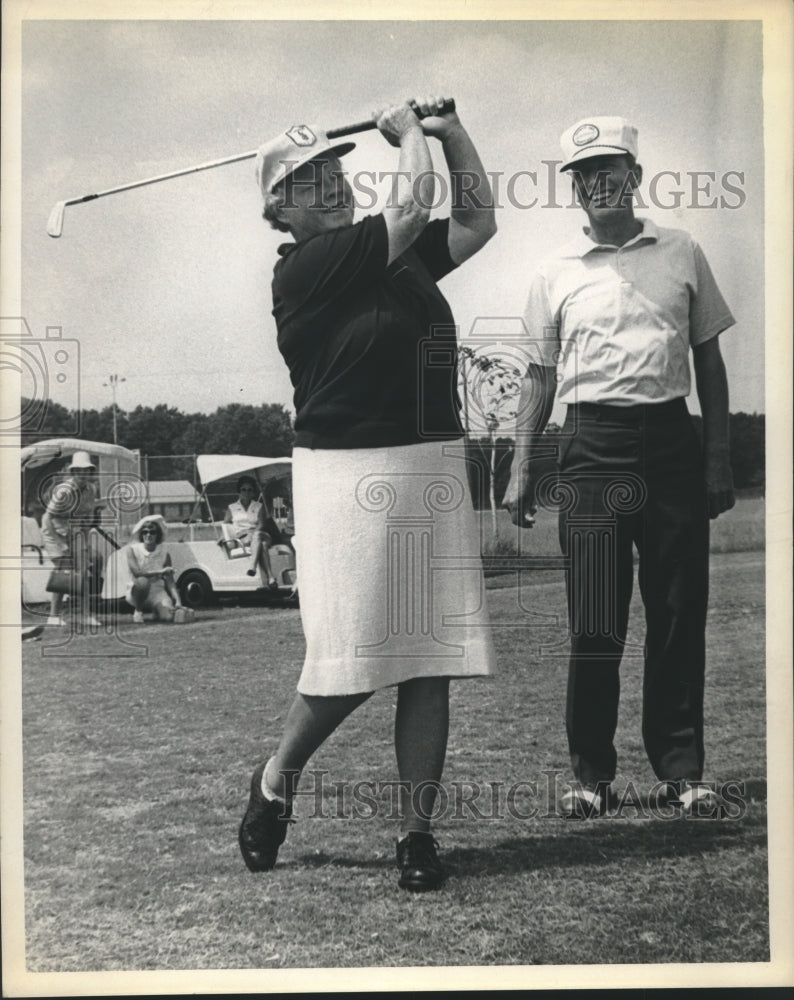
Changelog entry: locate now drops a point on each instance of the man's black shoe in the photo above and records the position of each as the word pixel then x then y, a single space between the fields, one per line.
pixel 263 828
pixel 420 869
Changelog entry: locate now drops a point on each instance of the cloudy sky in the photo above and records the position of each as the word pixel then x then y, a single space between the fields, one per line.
pixel 169 285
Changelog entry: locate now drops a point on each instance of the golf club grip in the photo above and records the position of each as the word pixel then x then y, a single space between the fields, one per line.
pixel 335 133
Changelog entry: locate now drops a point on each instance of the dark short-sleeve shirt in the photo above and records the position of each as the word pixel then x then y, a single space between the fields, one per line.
pixel 371 347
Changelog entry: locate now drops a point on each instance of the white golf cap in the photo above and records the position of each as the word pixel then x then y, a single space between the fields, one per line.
pixel 81 460
pixel 156 519
pixel 276 159
pixel 597 137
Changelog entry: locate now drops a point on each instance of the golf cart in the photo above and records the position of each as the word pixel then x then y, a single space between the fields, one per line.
pixel 121 497
pixel 208 560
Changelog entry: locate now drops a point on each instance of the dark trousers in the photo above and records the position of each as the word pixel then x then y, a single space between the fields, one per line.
pixel 634 477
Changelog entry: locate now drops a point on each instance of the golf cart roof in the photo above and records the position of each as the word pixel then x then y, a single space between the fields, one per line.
pixel 211 468
pixel 52 449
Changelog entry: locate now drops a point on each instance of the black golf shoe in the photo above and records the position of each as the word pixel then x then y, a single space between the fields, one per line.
pixel 264 827
pixel 420 869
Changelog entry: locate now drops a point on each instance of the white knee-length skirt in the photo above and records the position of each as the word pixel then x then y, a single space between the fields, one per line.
pixel 389 568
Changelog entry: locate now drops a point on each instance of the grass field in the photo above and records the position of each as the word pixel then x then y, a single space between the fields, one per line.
pixel 739 530
pixel 136 771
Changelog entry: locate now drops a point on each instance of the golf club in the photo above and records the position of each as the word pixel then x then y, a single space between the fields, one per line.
pixel 55 222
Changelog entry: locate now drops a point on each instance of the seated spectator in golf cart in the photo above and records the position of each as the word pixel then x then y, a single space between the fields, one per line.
pixel 243 514
pixel 246 523
pixel 152 587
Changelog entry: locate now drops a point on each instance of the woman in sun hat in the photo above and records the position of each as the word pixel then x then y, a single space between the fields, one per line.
pixel 152 587
pixel 71 507
pixel 378 463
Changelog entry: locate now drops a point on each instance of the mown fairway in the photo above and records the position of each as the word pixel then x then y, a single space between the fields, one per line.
pixel 136 771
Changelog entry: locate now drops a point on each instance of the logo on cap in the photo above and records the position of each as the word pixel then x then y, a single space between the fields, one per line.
pixel 302 135
pixel 584 135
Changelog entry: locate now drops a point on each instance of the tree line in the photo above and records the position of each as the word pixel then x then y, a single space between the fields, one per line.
pixel 748 457
pixel 171 436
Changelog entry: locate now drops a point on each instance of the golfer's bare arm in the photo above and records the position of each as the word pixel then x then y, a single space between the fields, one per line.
pixel 473 219
pixel 408 210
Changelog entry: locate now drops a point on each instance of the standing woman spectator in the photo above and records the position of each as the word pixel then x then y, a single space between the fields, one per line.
pixel 356 306
pixel 246 517
pixel 72 507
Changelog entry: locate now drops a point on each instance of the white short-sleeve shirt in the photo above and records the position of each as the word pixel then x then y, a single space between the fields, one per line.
pixel 245 519
pixel 618 322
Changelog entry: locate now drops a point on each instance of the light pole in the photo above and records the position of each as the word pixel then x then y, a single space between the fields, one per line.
pixel 492 422
pixel 112 383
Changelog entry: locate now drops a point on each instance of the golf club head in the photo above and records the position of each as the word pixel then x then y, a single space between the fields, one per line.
pixel 55 222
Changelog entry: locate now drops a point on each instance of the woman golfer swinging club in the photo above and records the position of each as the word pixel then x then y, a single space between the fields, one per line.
pixel 377 422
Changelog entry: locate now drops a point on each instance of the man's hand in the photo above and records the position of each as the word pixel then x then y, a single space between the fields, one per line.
pixel 719 481
pixel 519 500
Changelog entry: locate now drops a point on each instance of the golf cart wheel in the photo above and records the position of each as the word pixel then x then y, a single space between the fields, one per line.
pixel 195 589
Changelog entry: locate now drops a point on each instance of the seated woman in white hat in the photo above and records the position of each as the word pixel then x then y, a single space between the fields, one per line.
pixel 152 587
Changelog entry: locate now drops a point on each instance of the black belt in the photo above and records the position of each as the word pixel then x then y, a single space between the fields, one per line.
pixel 640 413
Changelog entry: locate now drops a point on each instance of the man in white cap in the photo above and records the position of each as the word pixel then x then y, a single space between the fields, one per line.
pixel 611 318
pixel 73 502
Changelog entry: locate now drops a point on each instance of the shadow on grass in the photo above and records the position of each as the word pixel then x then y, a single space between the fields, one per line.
pixel 598 843
pixel 604 842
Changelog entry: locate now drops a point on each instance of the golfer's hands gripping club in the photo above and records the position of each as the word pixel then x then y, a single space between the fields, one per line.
pixel 438 115
pixel 433 115
pixel 395 122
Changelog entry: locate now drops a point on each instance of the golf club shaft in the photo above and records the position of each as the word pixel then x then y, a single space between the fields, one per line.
pixel 164 177
pixel 55 222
